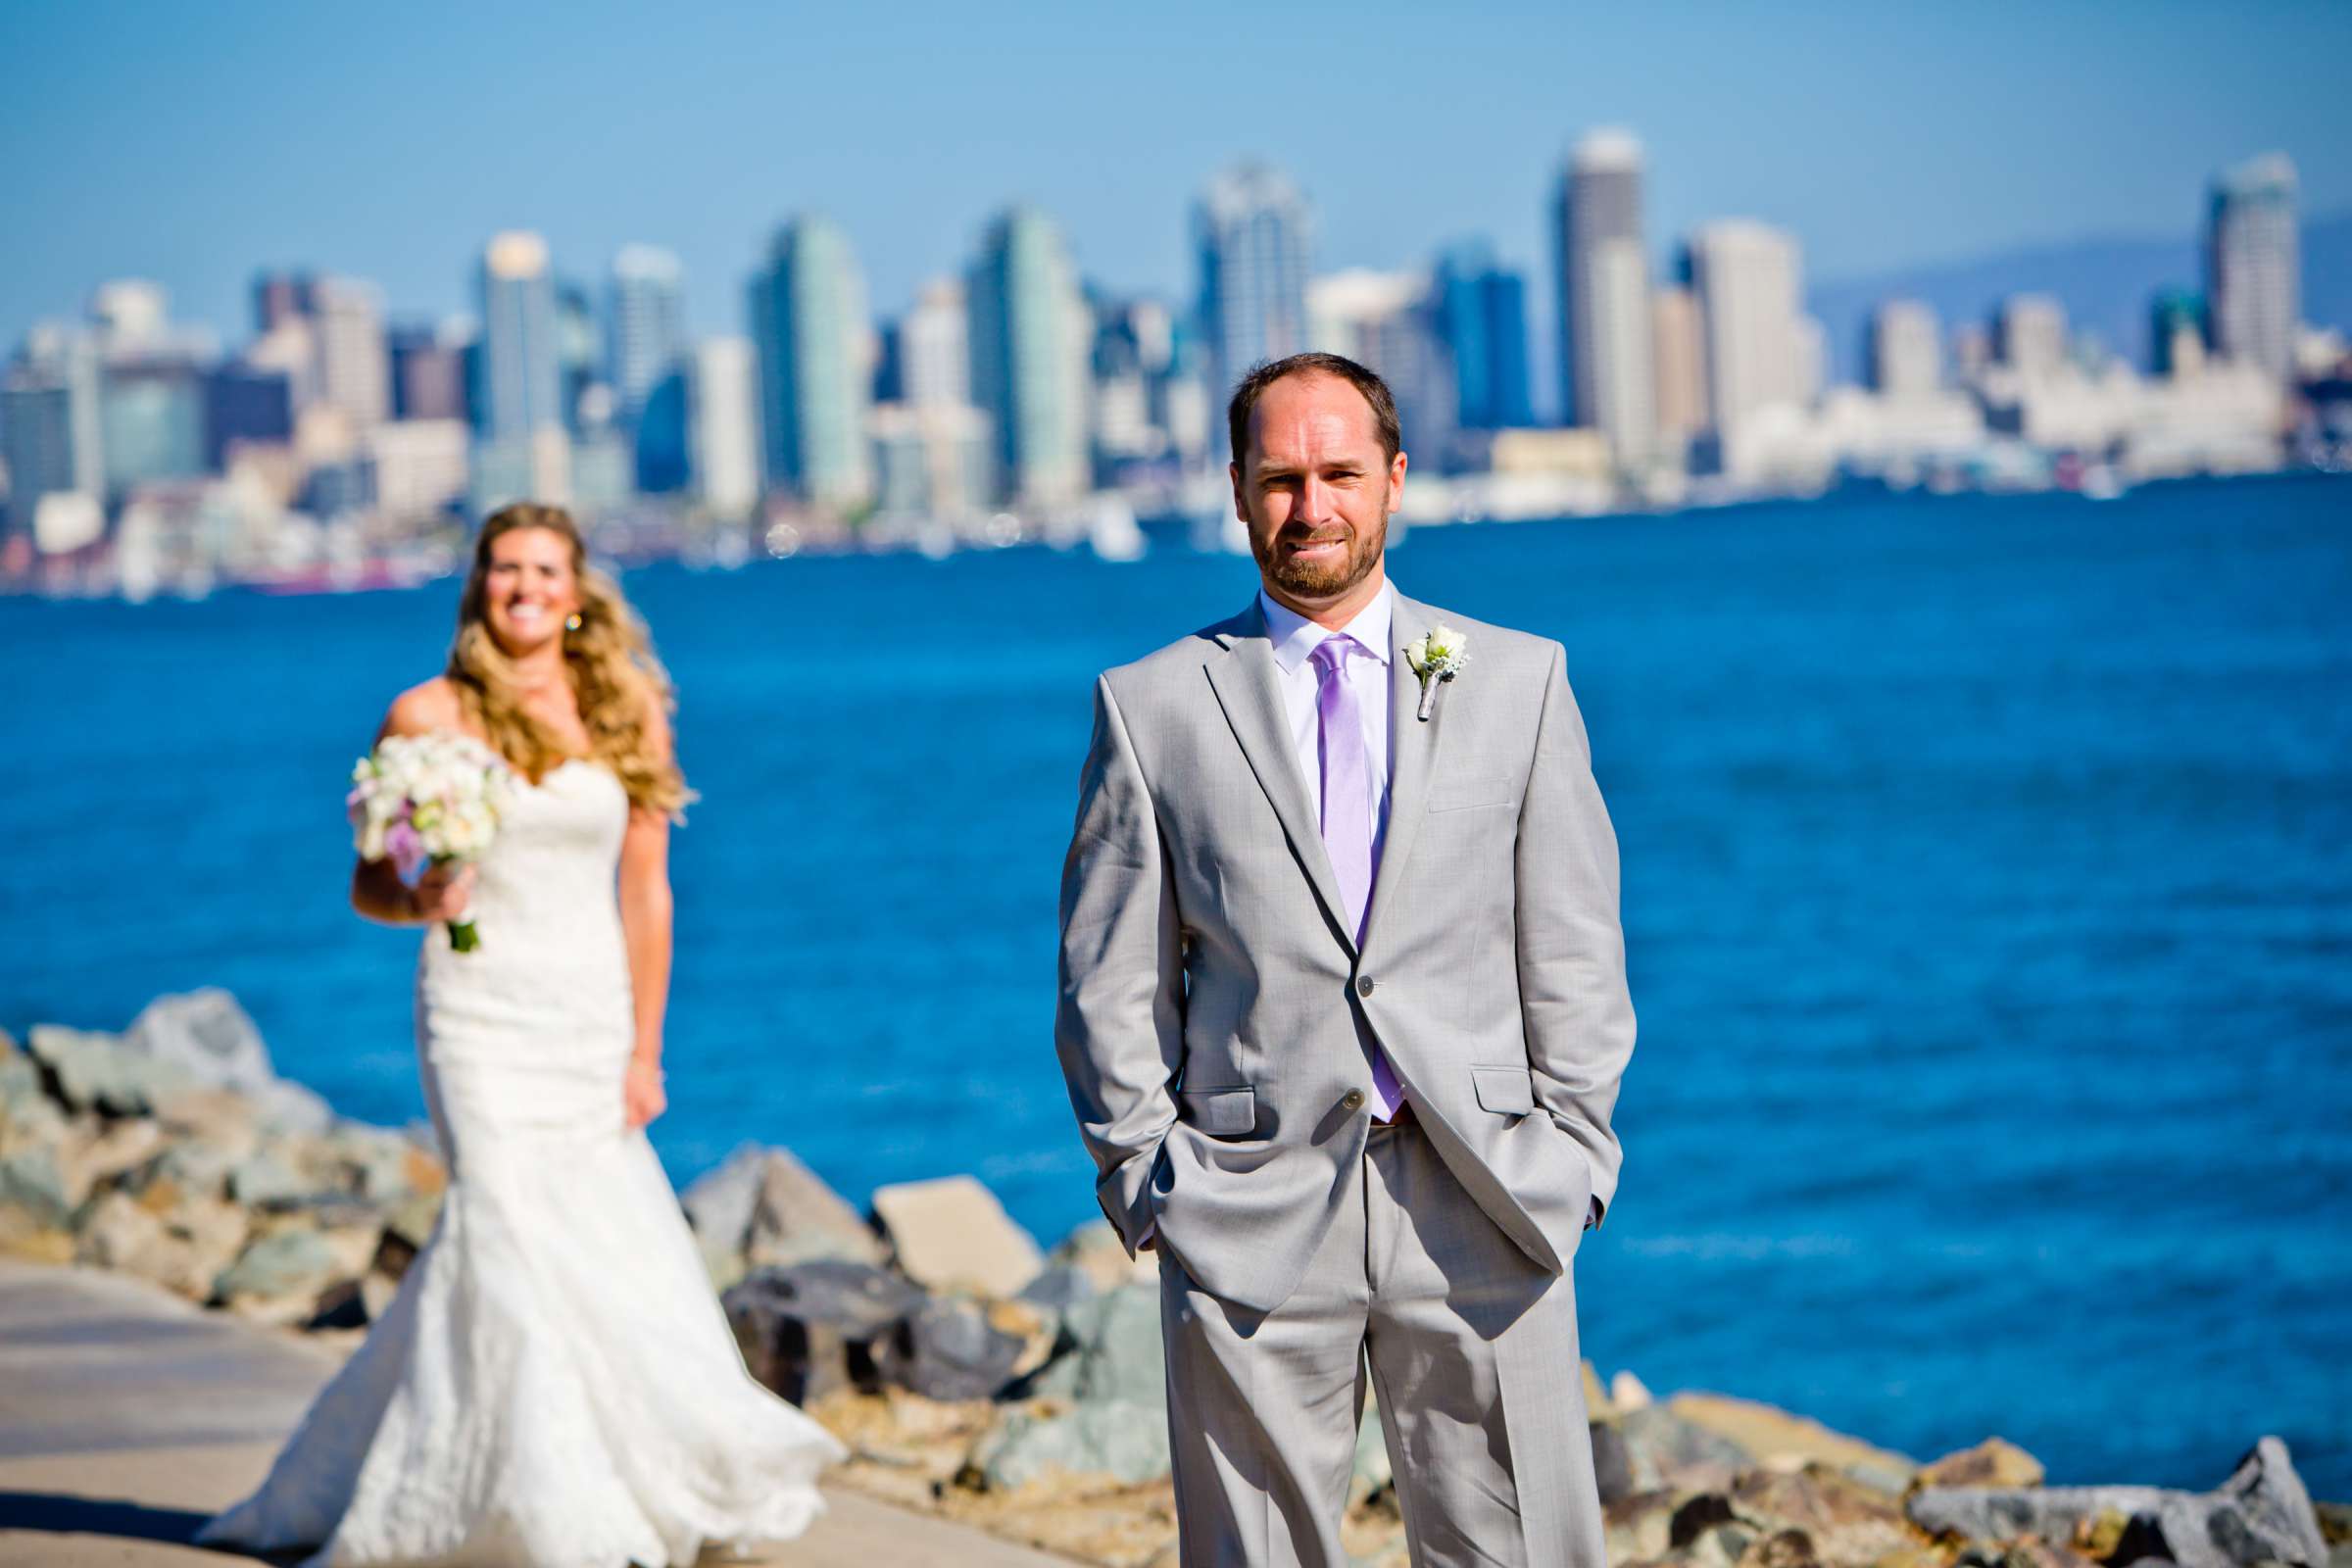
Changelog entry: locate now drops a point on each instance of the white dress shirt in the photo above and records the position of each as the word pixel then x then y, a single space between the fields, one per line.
pixel 1296 639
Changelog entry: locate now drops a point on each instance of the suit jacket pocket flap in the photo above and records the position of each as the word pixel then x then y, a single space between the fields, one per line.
pixel 1220 1111
pixel 1505 1091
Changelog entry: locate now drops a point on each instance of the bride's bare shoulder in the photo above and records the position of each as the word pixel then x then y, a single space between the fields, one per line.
pixel 423 709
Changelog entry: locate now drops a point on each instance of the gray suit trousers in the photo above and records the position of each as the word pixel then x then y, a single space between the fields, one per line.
pixel 1472 1349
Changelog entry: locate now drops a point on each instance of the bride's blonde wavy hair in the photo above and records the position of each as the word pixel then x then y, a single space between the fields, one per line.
pixel 617 682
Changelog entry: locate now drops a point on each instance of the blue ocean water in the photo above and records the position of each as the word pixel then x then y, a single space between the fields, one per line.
pixel 1988 882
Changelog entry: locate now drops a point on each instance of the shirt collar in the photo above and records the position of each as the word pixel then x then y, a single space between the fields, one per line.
pixel 1296 638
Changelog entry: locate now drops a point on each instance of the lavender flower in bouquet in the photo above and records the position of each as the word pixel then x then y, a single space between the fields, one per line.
pixel 420 800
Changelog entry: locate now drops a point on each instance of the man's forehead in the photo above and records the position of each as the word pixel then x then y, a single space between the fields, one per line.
pixel 1317 400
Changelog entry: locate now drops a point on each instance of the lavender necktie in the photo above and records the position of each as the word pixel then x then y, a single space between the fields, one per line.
pixel 1347 806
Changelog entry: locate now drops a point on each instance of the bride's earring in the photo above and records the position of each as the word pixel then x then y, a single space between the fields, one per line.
pixel 571 623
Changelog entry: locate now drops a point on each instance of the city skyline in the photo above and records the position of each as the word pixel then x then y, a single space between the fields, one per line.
pixel 1959 154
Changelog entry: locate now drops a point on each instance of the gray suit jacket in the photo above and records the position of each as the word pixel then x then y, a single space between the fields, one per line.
pixel 1214 1004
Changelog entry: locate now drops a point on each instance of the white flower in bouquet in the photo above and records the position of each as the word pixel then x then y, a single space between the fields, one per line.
pixel 420 800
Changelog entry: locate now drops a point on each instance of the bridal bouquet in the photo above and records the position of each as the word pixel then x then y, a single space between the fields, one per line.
pixel 420 800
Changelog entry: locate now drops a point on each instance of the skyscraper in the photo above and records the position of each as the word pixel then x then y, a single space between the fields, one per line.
pixel 1679 353
pixel 428 370
pixel 518 397
pixel 1745 275
pixel 1606 376
pixel 809 326
pixel 1389 321
pixel 1028 352
pixel 2175 333
pixel 723 404
pixel 2253 265
pixel 1906 349
pixel 1480 317
pixel 355 370
pixel 935 357
pixel 1252 229
pixel 646 322
pixel 2029 334
pixel 50 424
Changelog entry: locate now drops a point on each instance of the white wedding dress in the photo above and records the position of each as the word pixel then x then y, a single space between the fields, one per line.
pixel 554 1385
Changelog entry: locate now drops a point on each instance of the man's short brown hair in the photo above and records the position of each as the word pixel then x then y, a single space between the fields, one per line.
pixel 1253 386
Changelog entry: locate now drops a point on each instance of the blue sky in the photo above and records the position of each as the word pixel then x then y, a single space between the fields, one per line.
pixel 193 144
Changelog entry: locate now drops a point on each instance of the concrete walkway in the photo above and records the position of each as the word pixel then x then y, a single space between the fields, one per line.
pixel 127 1417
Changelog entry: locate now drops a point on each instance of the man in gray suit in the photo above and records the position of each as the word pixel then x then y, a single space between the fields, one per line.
pixel 1343 1014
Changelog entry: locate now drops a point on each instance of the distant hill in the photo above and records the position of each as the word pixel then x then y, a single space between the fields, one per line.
pixel 2105 285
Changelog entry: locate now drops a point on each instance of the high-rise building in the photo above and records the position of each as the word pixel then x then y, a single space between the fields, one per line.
pixel 151 413
pixel 1906 349
pixel 579 351
pixel 809 323
pixel 50 428
pixel 518 397
pixel 1481 311
pixel 723 416
pixel 2175 333
pixel 1254 237
pixel 279 298
pixel 648 321
pixel 1606 376
pixel 1679 354
pixel 1747 278
pixel 2028 335
pixel 934 347
pixel 245 404
pixel 2253 265
pixel 428 370
pixel 1024 312
pixel 1388 322
pixel 355 372
pixel 130 315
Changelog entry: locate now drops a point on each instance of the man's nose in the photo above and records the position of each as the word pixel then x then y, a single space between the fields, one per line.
pixel 1314 501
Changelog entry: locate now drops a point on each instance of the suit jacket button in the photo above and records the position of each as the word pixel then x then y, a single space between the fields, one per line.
pixel 1363 986
pixel 1352 1099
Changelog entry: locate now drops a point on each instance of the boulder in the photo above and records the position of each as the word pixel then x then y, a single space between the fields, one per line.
pixel 763 1209
pixel 212 1039
pixel 1994 1462
pixel 1843 1519
pixel 1664 1452
pixel 1062 1286
pixel 947 1349
pixel 94 1155
pixel 32 1184
pixel 1128 1442
pixel 94 1071
pixel 952 1234
pixel 1627 1393
pixel 2261 1514
pixel 812 1328
pixel 1612 1462
pixel 1116 1353
pixel 265 1178
pixel 1095 1249
pixel 124 1233
pixel 1775 1436
pixel 279 1277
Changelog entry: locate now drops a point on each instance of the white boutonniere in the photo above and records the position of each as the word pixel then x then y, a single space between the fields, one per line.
pixel 1437 659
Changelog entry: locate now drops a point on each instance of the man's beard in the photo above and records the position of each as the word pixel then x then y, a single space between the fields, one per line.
pixel 1310 581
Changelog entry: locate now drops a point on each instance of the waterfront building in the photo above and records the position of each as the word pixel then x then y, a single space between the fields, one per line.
pixel 723 419
pixel 1602 273
pixel 1253 237
pixel 1745 275
pixel 347 328
pixel 2028 335
pixel 1678 357
pixel 809 323
pixel 1906 349
pixel 2175 333
pixel 1027 326
pixel 2253 265
pixel 1480 318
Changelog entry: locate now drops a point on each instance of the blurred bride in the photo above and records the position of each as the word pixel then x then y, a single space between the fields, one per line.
pixel 554 1383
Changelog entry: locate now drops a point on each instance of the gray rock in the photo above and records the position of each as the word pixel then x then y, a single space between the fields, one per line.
pixel 1062 1286
pixel 290 1263
pixel 774 1211
pixel 31 1180
pixel 264 1179
pixel 2261 1514
pixel 947 1351
pixel 1116 1353
pixel 809 1329
pixel 1696 1516
pixel 1660 1447
pixel 210 1038
pixel 94 1071
pixel 1612 1462
pixel 1114 1438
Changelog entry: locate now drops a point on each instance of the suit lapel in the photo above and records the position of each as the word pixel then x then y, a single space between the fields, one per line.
pixel 1243 679
pixel 1415 744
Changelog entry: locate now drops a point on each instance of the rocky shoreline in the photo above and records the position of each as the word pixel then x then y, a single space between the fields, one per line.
pixel 970 1371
